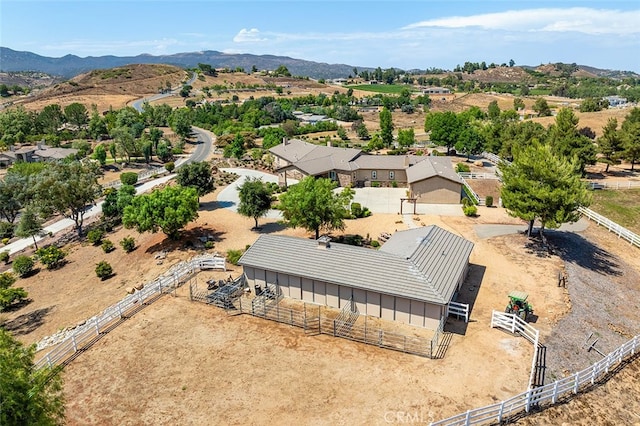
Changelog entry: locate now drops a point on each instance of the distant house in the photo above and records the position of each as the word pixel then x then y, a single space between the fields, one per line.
pixel 412 279
pixel 429 179
pixel 615 101
pixel 436 91
pixel 34 154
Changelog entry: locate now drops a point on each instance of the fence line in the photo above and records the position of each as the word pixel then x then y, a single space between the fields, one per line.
pixel 82 337
pixel 629 184
pixel 471 192
pixel 142 175
pixel 621 231
pixel 471 175
pixel 548 394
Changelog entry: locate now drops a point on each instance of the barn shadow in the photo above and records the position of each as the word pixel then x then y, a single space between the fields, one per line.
pixel 26 323
pixel 468 294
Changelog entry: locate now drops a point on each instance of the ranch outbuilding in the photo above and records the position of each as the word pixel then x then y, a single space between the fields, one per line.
pixel 411 279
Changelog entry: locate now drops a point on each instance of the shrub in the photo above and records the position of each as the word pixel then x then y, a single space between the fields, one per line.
pixel 170 166
pixel 209 245
pixel 4 256
pixel 22 265
pixel 470 210
pixel 103 270
pixel 107 246
pixel 5 241
pixel 488 201
pixel 9 295
pixel 128 244
pixel 462 167
pixel 356 209
pixel 95 236
pixel 51 257
pixel 375 184
pixel 375 243
pixel 129 178
pixel 6 230
pixel 234 255
pixel 394 184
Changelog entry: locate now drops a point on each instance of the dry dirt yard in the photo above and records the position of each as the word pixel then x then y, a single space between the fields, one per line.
pixel 183 362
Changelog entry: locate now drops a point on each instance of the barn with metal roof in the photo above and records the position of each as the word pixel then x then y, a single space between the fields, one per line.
pixel 411 279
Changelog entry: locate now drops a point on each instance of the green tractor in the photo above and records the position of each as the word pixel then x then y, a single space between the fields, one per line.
pixel 518 304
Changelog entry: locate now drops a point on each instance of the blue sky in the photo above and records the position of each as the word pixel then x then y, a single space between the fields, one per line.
pixel 371 33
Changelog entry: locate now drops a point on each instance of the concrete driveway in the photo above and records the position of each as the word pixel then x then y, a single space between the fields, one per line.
pixel 377 200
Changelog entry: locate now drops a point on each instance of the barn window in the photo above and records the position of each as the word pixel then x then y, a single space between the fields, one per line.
pixel 374 174
pixel 392 175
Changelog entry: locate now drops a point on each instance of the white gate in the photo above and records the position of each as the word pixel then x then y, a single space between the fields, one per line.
pixel 460 310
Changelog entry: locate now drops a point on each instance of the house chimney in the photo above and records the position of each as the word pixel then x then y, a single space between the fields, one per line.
pixel 324 242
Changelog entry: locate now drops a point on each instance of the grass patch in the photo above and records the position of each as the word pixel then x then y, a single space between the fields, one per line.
pixel 394 89
pixel 540 92
pixel 621 206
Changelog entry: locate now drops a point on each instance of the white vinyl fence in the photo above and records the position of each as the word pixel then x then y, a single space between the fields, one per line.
pixel 459 310
pixel 83 336
pixel 143 175
pixel 547 394
pixel 472 193
pixel 619 230
pixel 628 184
pixel 470 175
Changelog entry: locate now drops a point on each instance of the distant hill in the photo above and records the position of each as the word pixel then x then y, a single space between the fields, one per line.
pixel 70 65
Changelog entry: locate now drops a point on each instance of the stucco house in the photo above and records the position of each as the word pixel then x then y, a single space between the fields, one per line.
pixel 31 154
pixel 411 279
pixel 429 179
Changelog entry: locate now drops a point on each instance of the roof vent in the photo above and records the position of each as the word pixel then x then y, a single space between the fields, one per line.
pixel 324 242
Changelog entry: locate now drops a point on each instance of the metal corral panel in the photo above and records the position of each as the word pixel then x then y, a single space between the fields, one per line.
pixel 346 293
pixel 307 290
pixel 283 282
pixel 417 313
pixel 333 297
pixel 360 299
pixel 388 307
pixel 373 304
pixel 294 287
pixel 319 293
pixel 403 310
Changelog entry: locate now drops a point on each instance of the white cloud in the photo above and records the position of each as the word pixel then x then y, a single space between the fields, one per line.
pixel 248 36
pixel 577 19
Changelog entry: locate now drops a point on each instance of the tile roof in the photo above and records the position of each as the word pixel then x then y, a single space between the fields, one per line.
pixel 432 166
pixel 421 264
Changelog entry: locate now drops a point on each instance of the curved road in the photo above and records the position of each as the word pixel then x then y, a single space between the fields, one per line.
pixel 200 153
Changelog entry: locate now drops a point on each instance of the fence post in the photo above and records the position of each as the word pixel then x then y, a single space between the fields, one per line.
pixel 501 412
pixel 119 310
pixel 334 328
pixel 96 325
pixel 75 345
pixel 576 385
pixel 554 398
pixel 49 361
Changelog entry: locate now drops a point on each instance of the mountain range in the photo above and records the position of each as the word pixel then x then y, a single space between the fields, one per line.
pixel 70 65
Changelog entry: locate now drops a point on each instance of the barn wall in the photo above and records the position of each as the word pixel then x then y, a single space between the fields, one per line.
pixel 403 310
pixel 388 307
pixel 417 313
pixel 373 304
pixel 360 300
pixel 250 274
pixel 333 295
pixel 283 282
pixel 295 289
pixel 320 292
pixel 307 290
pixel 433 313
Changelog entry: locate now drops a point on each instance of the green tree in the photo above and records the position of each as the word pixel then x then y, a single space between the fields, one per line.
pixel 386 127
pixel 493 111
pixel 129 178
pixel 52 257
pixel 312 205
pixel 518 103
pixel 255 199
pixel 67 189
pixel 22 265
pixel 273 136
pixel 542 107
pixel 565 139
pixel 631 136
pixel 540 185
pixel 100 154
pixel 196 175
pixel 610 144
pixel 169 209
pixel 444 128
pixel 180 122
pixel 97 124
pixel 50 118
pixel 29 225
pixel 124 142
pixel 470 141
pixel 406 138
pixel 9 295
pixel 30 396
pixel 236 148
pixel 15 191
pixel 76 114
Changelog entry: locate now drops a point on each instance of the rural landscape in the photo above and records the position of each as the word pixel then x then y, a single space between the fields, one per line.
pixel 140 203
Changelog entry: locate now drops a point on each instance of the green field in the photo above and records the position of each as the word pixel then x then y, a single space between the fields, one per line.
pixel 621 206
pixel 394 89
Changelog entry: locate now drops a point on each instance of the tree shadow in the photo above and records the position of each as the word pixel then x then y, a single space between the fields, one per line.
pixel 574 248
pixel 26 323
pixel 190 239
pixel 468 294
pixel 271 227
pixel 215 205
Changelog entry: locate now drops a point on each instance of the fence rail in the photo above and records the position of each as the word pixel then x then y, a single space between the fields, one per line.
pixel 472 193
pixel 619 230
pixel 459 310
pixel 82 337
pixel 545 395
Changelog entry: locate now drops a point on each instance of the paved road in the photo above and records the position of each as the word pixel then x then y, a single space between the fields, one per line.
pixel 137 104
